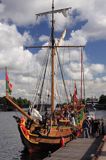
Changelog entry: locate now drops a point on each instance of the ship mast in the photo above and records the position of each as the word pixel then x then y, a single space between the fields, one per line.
pixel 53 52
pixel 81 73
pixel 52 46
pixel 6 81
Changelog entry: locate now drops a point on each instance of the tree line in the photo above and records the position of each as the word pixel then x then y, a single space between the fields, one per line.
pixel 100 100
pixel 25 103
pixel 99 103
pixel 6 106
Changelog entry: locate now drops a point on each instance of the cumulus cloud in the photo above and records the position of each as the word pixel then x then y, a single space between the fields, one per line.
pixel 98 68
pixel 11 47
pixel 25 65
pixel 43 38
pixel 12 54
pixel 22 13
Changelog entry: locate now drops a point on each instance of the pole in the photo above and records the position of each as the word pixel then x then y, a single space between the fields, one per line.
pixel 18 108
pixel 52 56
pixel 6 80
pixel 81 72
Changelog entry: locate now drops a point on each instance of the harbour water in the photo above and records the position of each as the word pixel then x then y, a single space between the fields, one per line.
pixel 100 114
pixel 11 147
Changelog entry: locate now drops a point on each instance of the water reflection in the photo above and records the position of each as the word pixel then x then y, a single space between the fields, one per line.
pixel 25 155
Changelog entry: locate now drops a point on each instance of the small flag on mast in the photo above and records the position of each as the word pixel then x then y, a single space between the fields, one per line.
pixel 8 84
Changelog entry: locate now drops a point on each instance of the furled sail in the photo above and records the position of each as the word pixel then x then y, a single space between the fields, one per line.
pixel 35 114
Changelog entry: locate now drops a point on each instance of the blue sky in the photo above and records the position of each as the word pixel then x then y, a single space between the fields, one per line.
pixel 85 24
pixel 94 49
pixel 97 51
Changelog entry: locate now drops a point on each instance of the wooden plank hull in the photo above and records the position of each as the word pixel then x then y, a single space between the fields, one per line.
pixel 35 143
pixel 50 139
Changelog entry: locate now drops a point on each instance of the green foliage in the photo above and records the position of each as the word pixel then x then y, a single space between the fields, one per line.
pixel 102 99
pixel 23 102
pixel 5 105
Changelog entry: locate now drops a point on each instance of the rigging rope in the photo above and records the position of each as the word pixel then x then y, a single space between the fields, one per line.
pixel 62 76
pixel 39 82
pixel 41 89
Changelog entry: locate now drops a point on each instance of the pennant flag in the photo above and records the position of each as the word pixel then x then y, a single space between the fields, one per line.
pixel 75 98
pixel 8 84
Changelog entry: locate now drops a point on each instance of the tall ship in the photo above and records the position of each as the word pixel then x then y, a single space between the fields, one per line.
pixel 58 124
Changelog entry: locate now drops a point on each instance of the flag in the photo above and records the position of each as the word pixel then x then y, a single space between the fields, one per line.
pixel 75 98
pixel 8 84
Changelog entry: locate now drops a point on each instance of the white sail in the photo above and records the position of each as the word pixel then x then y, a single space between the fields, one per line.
pixel 36 115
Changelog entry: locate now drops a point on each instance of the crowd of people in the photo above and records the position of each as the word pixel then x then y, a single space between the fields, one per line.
pixel 63 113
pixel 93 127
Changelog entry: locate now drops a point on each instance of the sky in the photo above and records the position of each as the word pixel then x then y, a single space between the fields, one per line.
pixel 85 24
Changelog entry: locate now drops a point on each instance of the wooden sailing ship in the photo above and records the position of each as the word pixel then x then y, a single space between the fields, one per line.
pixel 58 129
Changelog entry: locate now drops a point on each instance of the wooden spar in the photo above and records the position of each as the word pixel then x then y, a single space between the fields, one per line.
pixel 57 46
pixel 52 85
pixel 55 11
pixel 18 108
pixel 52 61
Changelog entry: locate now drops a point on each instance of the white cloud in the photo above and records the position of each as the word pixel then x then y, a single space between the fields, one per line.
pixel 11 47
pixel 104 78
pixel 97 68
pixel 23 12
pixel 20 62
pixel 95 16
pixel 24 64
pixel 78 37
pixel 43 38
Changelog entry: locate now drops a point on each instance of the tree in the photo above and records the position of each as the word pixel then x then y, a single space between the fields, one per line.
pixel 102 99
pixel 5 105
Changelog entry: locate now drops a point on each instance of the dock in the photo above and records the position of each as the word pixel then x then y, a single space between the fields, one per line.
pixel 102 155
pixel 78 149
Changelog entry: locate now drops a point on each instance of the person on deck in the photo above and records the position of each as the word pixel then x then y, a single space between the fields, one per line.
pixel 73 119
pixel 96 128
pixel 102 127
pixel 85 127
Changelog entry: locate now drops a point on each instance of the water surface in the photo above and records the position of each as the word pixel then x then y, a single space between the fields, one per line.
pixel 11 147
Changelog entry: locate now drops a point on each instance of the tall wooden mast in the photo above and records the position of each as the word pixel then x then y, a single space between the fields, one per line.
pixel 81 72
pixel 52 46
pixel 82 77
pixel 6 81
pixel 52 56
